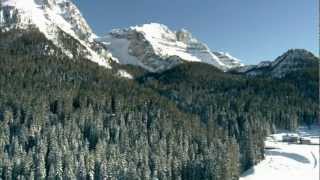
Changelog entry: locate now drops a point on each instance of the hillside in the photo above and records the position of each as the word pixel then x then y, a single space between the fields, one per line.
pixel 62 118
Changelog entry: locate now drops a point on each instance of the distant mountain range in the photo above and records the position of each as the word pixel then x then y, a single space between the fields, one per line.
pixel 153 47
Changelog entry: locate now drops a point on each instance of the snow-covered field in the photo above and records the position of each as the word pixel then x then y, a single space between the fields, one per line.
pixel 288 161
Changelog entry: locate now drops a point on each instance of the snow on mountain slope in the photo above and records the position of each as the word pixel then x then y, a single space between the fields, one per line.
pixel 53 17
pixel 229 60
pixel 155 47
pixel 288 161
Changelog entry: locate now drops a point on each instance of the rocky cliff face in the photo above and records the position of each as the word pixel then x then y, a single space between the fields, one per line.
pixel 58 20
pixel 155 47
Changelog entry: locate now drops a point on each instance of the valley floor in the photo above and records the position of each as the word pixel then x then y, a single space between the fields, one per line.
pixel 289 160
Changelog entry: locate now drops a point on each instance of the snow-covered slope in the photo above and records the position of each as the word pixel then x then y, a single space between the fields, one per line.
pixel 288 161
pixel 228 60
pixel 292 60
pixel 155 47
pixel 55 19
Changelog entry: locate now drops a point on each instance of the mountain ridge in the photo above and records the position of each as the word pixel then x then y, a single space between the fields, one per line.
pixel 153 46
pixel 290 61
pixel 53 18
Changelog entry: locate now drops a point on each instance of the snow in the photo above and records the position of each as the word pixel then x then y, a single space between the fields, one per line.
pixel 288 161
pixel 229 60
pixel 50 17
pixel 165 43
pixel 120 50
pixel 157 43
pixel 124 74
pixel 244 69
pixel 42 14
pixel 230 56
pixel 1 16
pixel 264 64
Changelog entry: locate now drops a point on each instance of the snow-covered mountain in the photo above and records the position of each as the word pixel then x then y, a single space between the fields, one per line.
pixel 58 20
pixel 155 47
pixel 152 46
pixel 292 60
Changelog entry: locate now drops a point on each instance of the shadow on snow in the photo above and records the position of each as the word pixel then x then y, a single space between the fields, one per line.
pixel 296 157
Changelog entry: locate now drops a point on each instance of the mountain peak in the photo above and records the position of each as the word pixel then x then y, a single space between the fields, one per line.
pixel 290 61
pixel 296 53
pixel 151 27
pixel 155 47
pixel 62 13
pixel 56 19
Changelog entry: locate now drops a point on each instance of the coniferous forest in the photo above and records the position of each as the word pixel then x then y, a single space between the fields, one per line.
pixel 72 119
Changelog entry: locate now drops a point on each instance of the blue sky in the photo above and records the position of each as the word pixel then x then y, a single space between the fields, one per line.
pixel 251 30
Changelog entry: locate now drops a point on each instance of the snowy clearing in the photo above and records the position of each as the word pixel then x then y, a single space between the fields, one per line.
pixel 289 160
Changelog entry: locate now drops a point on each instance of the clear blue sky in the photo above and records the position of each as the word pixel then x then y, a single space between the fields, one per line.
pixel 252 30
